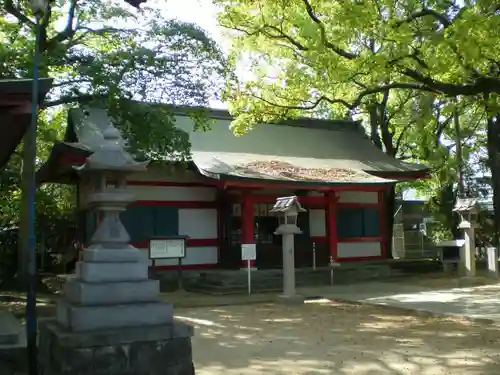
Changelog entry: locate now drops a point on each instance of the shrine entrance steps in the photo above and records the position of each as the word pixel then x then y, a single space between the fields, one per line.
pixel 223 282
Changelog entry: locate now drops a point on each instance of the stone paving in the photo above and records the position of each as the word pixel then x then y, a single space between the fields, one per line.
pixel 479 302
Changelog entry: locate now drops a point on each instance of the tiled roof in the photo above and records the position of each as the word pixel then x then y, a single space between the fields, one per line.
pixel 292 152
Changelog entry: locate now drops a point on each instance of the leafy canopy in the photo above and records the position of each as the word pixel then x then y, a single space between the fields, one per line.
pixel 104 52
pixel 302 54
pixel 107 50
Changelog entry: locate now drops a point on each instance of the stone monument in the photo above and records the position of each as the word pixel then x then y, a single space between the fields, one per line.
pixel 287 209
pixel 110 320
pixel 468 209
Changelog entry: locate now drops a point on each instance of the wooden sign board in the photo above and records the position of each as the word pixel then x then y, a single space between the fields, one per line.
pixel 167 248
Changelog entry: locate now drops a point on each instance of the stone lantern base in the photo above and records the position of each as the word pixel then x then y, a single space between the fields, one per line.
pixel 154 350
pixel 111 321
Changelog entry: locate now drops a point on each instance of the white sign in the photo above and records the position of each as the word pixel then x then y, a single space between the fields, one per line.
pixel 167 248
pixel 248 251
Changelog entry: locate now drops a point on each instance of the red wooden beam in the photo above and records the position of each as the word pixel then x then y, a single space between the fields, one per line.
pixel 331 223
pixel 346 187
pixel 177 204
pixel 383 226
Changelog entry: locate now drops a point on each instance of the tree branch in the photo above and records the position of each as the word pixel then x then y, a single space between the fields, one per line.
pixel 68 31
pixel 480 86
pixel 339 51
pixel 442 19
pixel 402 103
pixel 391 86
pixel 77 98
pixel 103 31
pixel 16 12
pixel 401 135
pixel 310 107
pixel 281 34
pixel 349 106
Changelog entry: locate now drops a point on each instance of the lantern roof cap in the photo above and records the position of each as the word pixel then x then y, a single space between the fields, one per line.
pixel 110 153
pixel 466 204
pixel 287 204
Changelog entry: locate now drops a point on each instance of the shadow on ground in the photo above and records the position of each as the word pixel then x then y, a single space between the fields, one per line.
pixel 334 338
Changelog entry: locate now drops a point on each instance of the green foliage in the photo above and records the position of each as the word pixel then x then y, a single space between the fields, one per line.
pixel 402 67
pixel 105 51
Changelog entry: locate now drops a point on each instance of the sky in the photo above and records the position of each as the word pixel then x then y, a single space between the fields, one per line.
pixel 200 12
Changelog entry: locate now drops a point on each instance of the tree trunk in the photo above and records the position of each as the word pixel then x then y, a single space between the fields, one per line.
pixel 494 161
pixel 390 205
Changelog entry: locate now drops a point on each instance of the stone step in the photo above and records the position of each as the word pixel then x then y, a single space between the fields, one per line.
pixel 271 281
pixel 10 328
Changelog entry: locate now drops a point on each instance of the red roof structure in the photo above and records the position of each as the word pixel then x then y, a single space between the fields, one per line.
pixel 15 112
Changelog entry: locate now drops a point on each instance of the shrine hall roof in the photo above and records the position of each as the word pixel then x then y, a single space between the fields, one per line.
pixel 302 151
pixel 299 151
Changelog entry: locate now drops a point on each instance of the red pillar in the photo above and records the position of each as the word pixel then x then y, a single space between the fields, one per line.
pixel 221 218
pixel 383 225
pixel 331 223
pixel 247 224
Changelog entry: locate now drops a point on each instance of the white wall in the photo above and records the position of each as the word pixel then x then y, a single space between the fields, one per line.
pixel 358 197
pixel 317 223
pixel 167 174
pixel 198 223
pixel 174 193
pixel 163 193
pixel 358 249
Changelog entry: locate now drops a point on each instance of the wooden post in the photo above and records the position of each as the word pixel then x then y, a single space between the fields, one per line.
pixel 331 223
pixel 383 224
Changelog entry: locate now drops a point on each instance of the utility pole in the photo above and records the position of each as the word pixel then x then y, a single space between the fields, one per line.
pixel 458 142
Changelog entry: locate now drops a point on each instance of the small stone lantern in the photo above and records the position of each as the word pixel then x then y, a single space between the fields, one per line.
pixel 287 209
pixel 468 209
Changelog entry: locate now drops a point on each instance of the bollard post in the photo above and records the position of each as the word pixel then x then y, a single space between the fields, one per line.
pixel 331 271
pixel 314 256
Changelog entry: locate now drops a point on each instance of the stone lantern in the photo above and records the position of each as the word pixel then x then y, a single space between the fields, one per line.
pixel 287 209
pixel 111 317
pixel 468 209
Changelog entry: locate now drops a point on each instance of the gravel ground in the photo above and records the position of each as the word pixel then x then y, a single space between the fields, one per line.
pixel 332 338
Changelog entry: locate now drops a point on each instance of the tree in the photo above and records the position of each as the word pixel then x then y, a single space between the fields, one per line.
pixel 110 53
pixel 352 56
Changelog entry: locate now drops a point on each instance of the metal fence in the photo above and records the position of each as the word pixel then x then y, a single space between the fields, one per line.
pixel 412 244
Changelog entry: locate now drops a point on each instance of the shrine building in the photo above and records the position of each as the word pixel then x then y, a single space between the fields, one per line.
pixel 223 198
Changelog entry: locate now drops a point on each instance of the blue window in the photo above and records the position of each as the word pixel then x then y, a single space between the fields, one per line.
pixel 358 222
pixel 90 224
pixel 144 222
pixel 139 222
pixel 166 221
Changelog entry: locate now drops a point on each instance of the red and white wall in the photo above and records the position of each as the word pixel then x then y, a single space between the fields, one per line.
pixel 196 213
pixel 197 216
pixel 351 249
